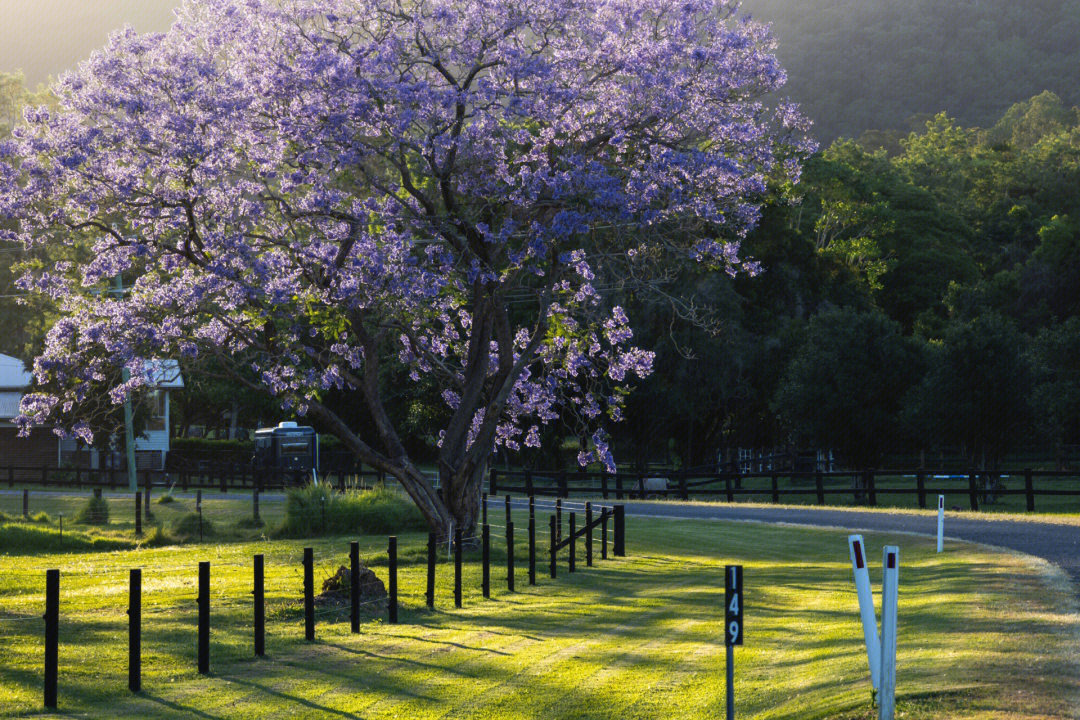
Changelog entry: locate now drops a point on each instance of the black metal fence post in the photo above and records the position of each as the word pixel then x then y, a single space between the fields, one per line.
pixel 573 540
pixel 973 489
pixel 309 594
pixel 259 593
pixel 775 483
pixel 588 534
pixel 255 507
pixel 431 571
pixel 393 605
pixel 819 485
pixel 52 635
pixel 729 491
pixel 604 512
pixel 135 631
pixel 485 561
pixel 483 509
pixel 1029 490
pixel 148 483
pixel 620 531
pixel 558 521
pixel 138 514
pixel 532 549
pixel 510 556
pixel 457 567
pixel 552 552
pixel 871 488
pixel 204 618
pixel 920 487
pixel 354 586
pixel 509 515
pixel 26 503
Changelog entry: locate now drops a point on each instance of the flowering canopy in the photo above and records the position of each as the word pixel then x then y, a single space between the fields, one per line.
pixel 315 187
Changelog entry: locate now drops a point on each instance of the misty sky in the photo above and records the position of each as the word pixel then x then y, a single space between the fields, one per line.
pixel 47 37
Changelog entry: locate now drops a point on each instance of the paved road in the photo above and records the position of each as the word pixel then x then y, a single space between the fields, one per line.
pixel 1060 544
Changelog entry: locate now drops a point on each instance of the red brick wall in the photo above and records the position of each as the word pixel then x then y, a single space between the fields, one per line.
pixel 28 455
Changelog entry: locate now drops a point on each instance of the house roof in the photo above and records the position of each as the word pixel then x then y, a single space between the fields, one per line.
pixel 13 373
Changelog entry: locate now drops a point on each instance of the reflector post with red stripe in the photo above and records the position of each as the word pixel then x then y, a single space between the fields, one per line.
pixel 890 591
pixel 857 550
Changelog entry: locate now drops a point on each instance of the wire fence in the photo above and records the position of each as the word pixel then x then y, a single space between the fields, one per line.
pixel 323 586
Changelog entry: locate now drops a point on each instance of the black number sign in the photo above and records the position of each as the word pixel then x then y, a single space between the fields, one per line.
pixel 733 605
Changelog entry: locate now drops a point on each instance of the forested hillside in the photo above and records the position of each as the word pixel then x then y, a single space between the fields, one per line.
pixel 856 65
pixel 908 302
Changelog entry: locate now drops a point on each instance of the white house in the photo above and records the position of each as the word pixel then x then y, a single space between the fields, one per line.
pixel 22 457
pixel 44 448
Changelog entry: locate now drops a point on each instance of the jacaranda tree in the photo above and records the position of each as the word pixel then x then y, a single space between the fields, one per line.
pixel 308 190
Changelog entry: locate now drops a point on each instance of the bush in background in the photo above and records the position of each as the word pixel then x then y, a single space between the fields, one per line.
pixel 321 510
pixel 94 512
pixel 186 527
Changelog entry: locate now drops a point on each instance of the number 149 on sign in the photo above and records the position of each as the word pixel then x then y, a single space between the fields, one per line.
pixel 733 605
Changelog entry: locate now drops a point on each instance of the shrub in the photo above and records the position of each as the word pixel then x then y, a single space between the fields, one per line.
pixel 41 517
pixel 186 527
pixel 23 539
pixel 166 499
pixel 94 512
pixel 158 537
pixel 321 510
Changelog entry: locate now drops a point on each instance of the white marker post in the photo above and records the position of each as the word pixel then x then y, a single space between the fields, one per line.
pixel 890 590
pixel 866 607
pixel 940 522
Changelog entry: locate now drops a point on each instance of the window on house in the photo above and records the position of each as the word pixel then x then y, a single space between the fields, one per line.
pixel 155 410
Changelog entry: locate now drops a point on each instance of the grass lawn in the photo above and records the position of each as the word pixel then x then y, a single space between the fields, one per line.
pixel 983 634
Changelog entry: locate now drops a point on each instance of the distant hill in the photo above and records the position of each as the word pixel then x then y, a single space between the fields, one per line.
pixel 46 37
pixel 853 64
pixel 889 64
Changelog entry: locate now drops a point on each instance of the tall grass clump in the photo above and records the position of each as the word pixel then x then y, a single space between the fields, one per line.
pixel 94 512
pixel 321 510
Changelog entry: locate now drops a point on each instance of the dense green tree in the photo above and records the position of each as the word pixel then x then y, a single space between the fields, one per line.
pixel 844 386
pixel 975 393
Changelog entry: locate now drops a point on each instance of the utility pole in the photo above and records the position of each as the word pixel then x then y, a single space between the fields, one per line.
pixel 129 428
